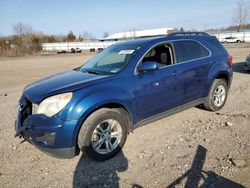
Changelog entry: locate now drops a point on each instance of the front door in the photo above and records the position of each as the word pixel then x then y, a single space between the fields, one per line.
pixel 159 90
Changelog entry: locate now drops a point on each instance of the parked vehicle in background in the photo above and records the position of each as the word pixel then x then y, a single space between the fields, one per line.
pixel 78 50
pixel 92 108
pixel 61 52
pixel 72 50
pixel 247 64
pixel 232 40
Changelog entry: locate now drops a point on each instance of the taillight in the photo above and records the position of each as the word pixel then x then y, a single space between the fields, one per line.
pixel 230 60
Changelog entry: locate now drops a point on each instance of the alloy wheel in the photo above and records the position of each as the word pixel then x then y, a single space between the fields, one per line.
pixel 219 95
pixel 106 136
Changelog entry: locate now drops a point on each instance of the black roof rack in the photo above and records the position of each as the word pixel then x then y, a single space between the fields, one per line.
pixel 188 34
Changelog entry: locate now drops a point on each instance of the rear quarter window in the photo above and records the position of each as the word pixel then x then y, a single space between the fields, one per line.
pixel 216 44
pixel 188 50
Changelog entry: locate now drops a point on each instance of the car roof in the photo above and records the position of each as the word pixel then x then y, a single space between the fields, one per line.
pixel 141 41
pixel 162 38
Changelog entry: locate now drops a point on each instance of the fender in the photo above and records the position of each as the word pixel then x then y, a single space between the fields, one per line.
pixel 100 98
pixel 87 100
pixel 219 69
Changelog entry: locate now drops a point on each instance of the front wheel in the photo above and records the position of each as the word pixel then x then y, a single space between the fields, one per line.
pixel 103 134
pixel 217 95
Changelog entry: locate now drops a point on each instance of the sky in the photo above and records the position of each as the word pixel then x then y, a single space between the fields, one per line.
pixel 61 16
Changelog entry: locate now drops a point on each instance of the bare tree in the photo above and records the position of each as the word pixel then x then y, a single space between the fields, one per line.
pixel 87 36
pixel 133 33
pixel 80 39
pixel 25 40
pixel 70 37
pixel 105 34
pixel 20 29
pixel 182 29
pixel 241 14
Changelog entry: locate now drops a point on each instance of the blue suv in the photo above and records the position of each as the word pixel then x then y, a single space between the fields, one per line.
pixel 92 108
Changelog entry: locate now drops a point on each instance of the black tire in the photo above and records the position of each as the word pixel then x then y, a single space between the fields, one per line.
pixel 88 127
pixel 209 103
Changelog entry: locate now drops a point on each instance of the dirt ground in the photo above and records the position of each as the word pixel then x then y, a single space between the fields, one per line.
pixel 189 149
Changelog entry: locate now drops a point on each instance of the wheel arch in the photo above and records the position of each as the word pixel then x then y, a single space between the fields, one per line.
pixel 223 76
pixel 111 105
pixel 220 70
pixel 120 106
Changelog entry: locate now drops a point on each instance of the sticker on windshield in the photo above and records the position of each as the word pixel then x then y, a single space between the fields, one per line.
pixel 125 52
pixel 115 70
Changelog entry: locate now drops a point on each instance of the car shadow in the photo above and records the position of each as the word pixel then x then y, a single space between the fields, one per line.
pixel 196 177
pixel 90 173
pixel 239 67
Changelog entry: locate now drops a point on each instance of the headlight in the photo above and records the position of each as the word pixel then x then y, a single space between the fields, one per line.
pixel 52 105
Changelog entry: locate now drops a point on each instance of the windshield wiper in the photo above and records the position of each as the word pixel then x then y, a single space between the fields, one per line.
pixel 92 72
pixel 77 69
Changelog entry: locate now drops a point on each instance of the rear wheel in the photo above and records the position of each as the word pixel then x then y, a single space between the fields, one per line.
pixel 217 95
pixel 103 134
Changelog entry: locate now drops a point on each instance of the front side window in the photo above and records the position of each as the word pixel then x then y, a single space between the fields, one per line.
pixel 161 54
pixel 111 60
pixel 189 50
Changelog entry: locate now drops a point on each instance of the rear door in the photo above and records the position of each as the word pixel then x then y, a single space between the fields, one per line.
pixel 192 61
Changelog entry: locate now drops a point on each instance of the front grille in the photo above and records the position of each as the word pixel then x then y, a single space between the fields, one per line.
pixel 26 109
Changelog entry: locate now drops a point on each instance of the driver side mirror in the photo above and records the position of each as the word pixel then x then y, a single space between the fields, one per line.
pixel 148 66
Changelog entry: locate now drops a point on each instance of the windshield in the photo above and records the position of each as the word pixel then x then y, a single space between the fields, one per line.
pixel 111 60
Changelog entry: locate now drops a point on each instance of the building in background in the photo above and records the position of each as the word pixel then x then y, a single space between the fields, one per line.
pixel 133 34
pixel 105 42
pixel 139 34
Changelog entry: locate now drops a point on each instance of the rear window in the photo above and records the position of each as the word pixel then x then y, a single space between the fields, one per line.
pixel 189 50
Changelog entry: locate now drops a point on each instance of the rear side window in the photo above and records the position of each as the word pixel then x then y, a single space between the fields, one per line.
pixel 189 50
pixel 215 43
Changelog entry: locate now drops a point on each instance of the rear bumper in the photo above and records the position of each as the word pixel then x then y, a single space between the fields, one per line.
pixel 247 66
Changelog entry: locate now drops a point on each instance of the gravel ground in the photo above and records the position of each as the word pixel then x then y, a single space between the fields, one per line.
pixel 194 148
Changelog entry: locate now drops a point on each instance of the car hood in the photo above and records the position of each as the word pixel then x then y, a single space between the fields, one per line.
pixel 60 83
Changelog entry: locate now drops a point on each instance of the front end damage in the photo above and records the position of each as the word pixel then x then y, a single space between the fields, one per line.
pixel 49 134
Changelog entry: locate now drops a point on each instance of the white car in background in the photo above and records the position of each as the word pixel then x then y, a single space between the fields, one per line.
pixel 232 40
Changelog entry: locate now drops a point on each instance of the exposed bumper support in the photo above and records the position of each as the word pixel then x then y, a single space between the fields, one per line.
pixel 62 153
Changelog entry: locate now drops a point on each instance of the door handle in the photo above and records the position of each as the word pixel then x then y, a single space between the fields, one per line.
pixel 176 73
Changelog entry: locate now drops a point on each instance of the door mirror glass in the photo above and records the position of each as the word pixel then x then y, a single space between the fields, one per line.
pixel 148 66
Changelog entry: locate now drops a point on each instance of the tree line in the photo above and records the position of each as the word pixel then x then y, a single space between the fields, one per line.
pixel 26 40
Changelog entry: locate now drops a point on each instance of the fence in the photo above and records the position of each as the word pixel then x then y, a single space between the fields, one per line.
pixel 82 45
pixel 244 36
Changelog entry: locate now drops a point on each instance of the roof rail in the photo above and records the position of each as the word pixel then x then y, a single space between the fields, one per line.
pixel 188 34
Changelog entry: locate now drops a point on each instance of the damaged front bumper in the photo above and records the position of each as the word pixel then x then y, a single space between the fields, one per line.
pixel 49 134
